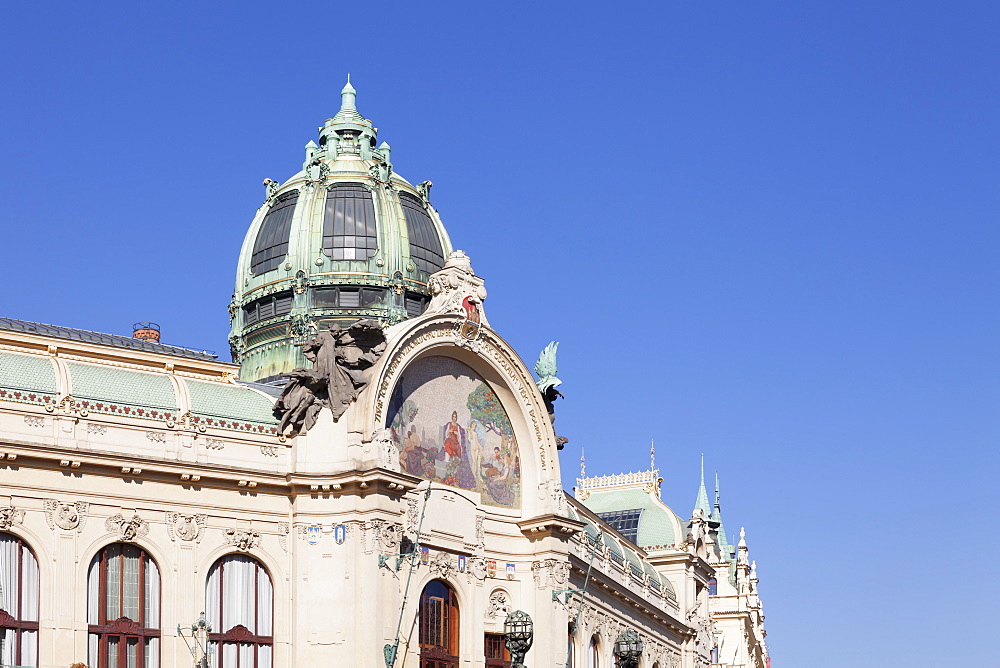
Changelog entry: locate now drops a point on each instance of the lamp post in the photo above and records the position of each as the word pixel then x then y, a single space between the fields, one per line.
pixel 628 649
pixel 518 633
pixel 199 634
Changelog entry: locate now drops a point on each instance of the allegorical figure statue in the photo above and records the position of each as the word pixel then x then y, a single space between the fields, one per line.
pixel 545 369
pixel 340 357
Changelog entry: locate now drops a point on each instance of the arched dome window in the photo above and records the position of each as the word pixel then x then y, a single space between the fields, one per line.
pixel 349 231
pixel 240 607
pixel 123 608
pixel 18 603
pixel 272 239
pixel 425 244
pixel 439 626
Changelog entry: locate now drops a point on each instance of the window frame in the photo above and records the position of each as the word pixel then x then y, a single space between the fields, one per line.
pixel 16 621
pixel 240 634
pixel 445 655
pixel 421 231
pixel 122 628
pixel 356 191
pixel 271 228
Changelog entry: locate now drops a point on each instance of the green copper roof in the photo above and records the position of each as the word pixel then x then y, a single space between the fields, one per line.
pixel 701 502
pixel 230 405
pixel 31 373
pixel 122 386
pixel 344 238
pixel 658 525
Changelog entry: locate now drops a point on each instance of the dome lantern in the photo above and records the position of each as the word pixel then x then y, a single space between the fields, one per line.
pixel 345 238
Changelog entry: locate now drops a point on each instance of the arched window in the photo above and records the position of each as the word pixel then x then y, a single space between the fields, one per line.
pixel 713 587
pixel 439 624
pixel 123 609
pixel 240 608
pixel 349 223
pixel 18 603
pixel 593 654
pixel 425 244
pixel 570 651
pixel 272 239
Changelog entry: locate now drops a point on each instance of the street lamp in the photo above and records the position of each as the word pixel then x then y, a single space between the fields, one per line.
pixel 628 649
pixel 518 632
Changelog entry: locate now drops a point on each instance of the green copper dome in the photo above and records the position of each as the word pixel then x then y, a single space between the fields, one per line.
pixel 345 238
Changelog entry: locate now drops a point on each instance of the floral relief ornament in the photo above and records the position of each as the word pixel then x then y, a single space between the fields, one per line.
pixel 66 516
pixel 127 530
pixel 9 516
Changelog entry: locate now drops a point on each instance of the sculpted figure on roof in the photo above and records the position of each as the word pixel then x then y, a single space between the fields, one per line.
pixel 339 356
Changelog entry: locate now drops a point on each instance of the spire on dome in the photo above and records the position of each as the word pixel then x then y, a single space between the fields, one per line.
pixel 701 503
pixel 583 464
pixel 348 104
pixel 722 540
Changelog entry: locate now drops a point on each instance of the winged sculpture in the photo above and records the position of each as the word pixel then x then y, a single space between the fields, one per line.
pixel 545 369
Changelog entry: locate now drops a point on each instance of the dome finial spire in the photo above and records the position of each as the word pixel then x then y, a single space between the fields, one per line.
pixel 348 97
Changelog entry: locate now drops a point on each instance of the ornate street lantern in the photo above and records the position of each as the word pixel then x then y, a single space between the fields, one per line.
pixel 628 649
pixel 518 633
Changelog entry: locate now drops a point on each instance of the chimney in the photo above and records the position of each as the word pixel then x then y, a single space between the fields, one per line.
pixel 147 331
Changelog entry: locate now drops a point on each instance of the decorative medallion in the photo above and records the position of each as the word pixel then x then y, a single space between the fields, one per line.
pixel 66 516
pixel 185 527
pixel 499 605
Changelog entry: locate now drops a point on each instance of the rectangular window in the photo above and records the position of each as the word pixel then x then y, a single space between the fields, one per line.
pixel 497 655
pixel 625 522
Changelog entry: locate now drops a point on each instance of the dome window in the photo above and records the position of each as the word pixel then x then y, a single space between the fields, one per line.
pixel 425 244
pixel 349 223
pixel 272 240
pixel 348 297
pixel 267 307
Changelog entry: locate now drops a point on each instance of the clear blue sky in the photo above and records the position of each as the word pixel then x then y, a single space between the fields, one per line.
pixel 762 231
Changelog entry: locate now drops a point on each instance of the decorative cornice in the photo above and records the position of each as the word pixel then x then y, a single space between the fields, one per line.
pixel 550 525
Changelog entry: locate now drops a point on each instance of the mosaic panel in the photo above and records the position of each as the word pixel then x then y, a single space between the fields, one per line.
pixel 449 427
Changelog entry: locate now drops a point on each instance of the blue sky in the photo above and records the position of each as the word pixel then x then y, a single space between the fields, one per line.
pixel 762 231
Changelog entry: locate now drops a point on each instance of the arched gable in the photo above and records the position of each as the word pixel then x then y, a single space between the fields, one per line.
pixel 491 360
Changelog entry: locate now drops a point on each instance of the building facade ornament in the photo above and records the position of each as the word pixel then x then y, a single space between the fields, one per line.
pixel 126 530
pixel 550 573
pixel 499 605
pixel 456 290
pixel 443 565
pixel 185 527
pixel 381 536
pixel 242 539
pixel 10 516
pixel 67 516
